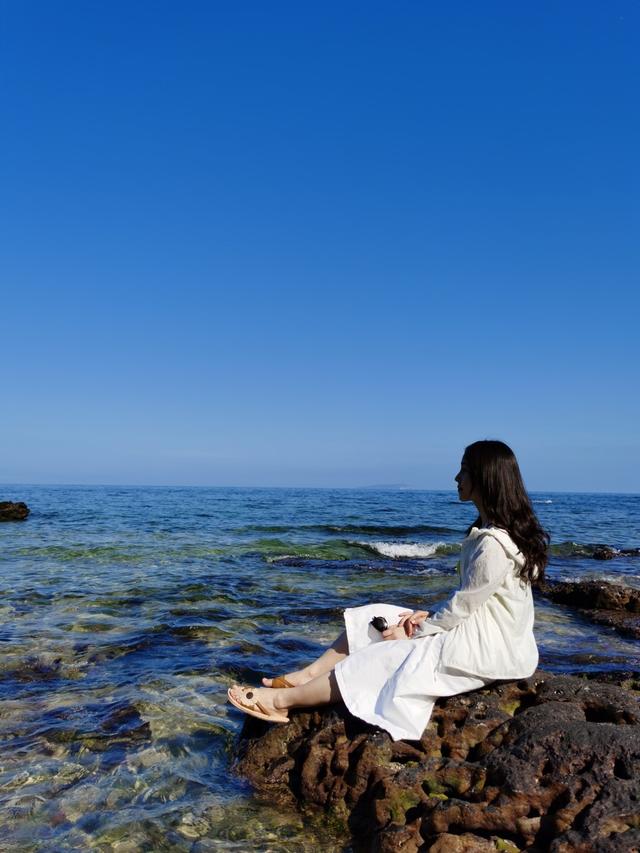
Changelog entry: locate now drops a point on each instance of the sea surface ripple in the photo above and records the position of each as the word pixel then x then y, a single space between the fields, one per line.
pixel 127 612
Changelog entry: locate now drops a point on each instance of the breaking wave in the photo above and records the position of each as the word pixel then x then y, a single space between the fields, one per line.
pixel 410 550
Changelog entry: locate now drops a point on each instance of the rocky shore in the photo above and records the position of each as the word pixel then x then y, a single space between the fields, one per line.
pixel 550 763
pixel 606 603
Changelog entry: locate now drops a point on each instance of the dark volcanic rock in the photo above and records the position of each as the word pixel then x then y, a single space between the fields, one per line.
pixel 606 552
pixel 10 511
pixel 627 678
pixel 593 595
pixel 624 623
pixel 546 763
pixel 606 603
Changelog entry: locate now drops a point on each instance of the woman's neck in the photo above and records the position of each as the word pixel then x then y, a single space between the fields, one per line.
pixel 484 520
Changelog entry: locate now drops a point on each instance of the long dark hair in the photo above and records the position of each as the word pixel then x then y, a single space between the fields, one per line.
pixel 496 478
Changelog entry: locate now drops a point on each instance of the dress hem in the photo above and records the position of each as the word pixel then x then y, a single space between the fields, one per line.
pixel 373 719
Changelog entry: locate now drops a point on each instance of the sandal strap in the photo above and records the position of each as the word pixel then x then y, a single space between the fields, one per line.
pixel 251 705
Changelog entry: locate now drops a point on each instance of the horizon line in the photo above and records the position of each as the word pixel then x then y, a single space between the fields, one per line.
pixel 377 487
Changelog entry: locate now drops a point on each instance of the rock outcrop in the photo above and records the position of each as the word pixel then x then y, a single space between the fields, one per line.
pixel 608 552
pixel 10 511
pixel 550 763
pixel 606 603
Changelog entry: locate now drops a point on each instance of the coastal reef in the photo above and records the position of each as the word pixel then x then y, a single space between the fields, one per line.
pixel 10 511
pixel 548 763
pixel 607 552
pixel 611 604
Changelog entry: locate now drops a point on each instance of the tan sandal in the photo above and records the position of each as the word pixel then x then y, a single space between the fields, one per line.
pixel 280 681
pixel 254 708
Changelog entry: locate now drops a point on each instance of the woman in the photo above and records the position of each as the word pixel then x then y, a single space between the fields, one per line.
pixel 484 632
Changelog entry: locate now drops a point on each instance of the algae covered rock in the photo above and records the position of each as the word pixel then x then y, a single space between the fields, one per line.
pixel 545 763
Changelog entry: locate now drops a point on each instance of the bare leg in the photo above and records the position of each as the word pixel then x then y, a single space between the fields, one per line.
pixel 325 663
pixel 322 690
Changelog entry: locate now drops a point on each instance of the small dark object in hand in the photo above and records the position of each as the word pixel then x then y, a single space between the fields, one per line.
pixel 379 623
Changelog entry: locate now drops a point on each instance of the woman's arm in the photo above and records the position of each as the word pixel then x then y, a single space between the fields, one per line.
pixel 488 567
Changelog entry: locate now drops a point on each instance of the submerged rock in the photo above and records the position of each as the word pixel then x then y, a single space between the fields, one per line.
pixel 10 511
pixel 606 603
pixel 547 763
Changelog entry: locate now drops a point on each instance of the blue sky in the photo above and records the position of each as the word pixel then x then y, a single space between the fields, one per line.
pixel 331 244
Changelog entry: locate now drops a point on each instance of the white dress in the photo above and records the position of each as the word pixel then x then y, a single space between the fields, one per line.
pixel 482 633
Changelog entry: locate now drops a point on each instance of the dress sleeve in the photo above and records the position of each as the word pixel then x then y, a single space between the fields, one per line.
pixel 488 567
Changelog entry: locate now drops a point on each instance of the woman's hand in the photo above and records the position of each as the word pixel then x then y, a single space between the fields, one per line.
pixel 410 620
pixel 396 633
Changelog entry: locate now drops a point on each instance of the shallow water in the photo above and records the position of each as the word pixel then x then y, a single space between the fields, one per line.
pixel 126 613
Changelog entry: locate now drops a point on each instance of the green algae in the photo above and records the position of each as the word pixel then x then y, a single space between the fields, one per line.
pixel 458 784
pixel 510 708
pixel 400 801
pixel 506 846
pixel 433 786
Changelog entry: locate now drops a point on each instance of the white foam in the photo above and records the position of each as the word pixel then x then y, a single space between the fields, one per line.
pixel 397 550
pixel 282 557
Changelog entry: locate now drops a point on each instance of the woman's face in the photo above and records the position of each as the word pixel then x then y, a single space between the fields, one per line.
pixel 465 484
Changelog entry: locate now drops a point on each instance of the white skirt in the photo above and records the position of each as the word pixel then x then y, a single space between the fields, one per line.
pixel 394 684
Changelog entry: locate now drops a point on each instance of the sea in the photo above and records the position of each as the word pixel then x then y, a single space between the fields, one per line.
pixel 127 612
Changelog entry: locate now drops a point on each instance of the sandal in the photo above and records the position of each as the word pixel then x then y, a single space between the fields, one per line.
pixel 254 708
pixel 281 681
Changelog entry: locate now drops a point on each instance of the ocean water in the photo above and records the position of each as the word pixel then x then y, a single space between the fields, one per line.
pixel 127 612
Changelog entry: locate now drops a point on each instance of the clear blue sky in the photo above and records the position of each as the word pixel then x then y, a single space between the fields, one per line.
pixel 319 244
